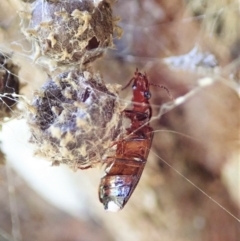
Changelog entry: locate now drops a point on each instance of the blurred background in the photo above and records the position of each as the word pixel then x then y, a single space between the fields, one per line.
pixel 190 186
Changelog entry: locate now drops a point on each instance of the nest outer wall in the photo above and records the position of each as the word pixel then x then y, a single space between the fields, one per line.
pixel 75 119
pixel 66 33
pixel 9 84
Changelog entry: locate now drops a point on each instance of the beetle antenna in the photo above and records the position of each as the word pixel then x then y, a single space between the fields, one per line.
pixel 136 73
pixel 125 87
pixel 163 87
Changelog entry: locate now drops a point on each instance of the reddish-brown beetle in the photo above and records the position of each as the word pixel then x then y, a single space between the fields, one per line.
pixel 124 170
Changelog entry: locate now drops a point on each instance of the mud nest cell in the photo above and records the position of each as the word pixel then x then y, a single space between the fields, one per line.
pixel 68 32
pixel 75 118
pixel 9 84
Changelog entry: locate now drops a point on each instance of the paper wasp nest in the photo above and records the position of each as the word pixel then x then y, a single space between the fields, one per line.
pixel 69 32
pixel 75 118
pixel 9 84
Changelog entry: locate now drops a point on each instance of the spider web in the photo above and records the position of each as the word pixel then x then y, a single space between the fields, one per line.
pixel 195 149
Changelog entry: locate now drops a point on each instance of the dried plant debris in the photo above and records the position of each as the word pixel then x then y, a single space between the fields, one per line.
pixel 75 118
pixel 195 60
pixel 28 1
pixel 220 19
pixel 69 32
pixel 9 84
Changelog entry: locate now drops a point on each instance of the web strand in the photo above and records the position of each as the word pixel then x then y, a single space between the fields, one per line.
pixel 198 188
